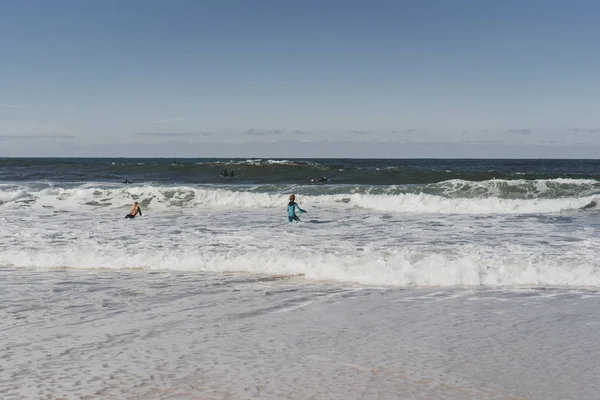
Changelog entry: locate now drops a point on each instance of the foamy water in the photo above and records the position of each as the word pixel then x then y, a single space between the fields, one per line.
pixel 471 290
pixel 375 239
pixel 77 334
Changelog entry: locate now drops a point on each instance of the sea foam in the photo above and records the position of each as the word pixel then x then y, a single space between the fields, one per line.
pixel 163 198
pixel 411 266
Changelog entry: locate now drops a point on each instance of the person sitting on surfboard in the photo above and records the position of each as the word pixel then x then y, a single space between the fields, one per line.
pixel 292 206
pixel 135 209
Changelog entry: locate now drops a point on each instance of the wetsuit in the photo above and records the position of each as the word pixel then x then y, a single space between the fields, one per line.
pixel 292 206
pixel 135 210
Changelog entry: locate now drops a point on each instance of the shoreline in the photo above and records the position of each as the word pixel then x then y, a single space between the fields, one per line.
pixel 216 336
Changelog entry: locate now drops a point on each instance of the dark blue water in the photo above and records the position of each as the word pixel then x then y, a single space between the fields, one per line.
pixel 291 171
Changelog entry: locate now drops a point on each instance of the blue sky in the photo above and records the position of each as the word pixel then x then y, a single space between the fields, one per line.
pixel 280 78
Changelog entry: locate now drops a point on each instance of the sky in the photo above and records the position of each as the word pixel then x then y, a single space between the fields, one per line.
pixel 328 78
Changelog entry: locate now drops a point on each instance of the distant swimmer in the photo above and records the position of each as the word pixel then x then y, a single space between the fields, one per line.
pixel 126 181
pixel 135 210
pixel 291 209
pixel 225 173
pixel 321 180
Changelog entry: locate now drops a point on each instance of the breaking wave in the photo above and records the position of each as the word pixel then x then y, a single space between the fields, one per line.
pixel 473 266
pixel 454 196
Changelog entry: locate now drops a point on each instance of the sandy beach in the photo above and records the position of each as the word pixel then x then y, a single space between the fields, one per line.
pixel 167 335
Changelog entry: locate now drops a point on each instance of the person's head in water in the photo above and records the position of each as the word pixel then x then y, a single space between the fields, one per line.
pixel 292 198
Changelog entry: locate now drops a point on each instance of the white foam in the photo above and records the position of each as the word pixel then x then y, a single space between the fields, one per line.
pixel 12 195
pixel 163 198
pixel 260 161
pixel 426 203
pixel 376 239
pixel 549 188
pixel 131 334
pixel 331 244
pixel 406 267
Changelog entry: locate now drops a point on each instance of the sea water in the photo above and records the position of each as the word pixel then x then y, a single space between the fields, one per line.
pixel 404 279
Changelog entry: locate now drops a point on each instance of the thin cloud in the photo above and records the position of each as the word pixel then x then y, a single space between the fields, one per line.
pixel 521 131
pixel 475 132
pixel 173 134
pixel 584 130
pixel 297 132
pixel 361 132
pixel 266 132
pixel 28 127
pixel 492 142
pixel 168 120
pixel 481 142
pixel 20 106
pixel 551 142
pixel 29 137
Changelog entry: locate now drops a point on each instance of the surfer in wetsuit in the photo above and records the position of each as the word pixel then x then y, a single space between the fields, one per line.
pixel 291 209
pixel 135 210
pixel 126 181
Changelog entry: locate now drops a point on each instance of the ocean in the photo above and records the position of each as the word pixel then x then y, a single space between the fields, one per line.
pixel 409 279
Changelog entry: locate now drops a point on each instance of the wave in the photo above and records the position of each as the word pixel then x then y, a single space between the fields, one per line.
pixel 435 204
pixel 452 197
pixel 263 162
pixel 473 266
pixel 516 188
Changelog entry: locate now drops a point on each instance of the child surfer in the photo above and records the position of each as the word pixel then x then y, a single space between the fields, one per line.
pixel 291 209
pixel 135 209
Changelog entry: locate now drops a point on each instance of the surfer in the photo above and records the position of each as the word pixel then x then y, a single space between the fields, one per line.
pixel 225 173
pixel 135 209
pixel 291 209
pixel 126 181
pixel 323 179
